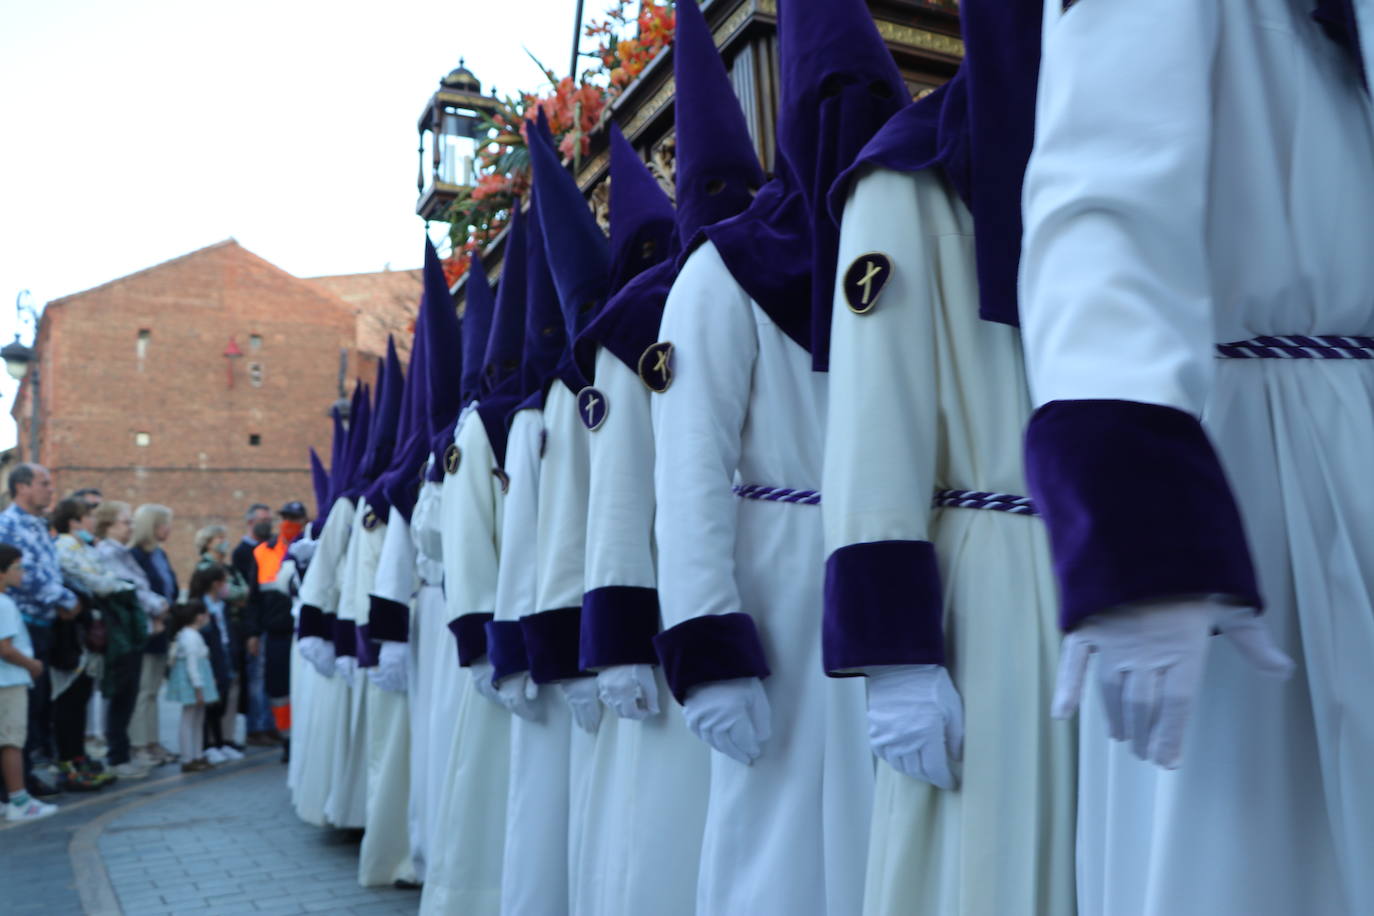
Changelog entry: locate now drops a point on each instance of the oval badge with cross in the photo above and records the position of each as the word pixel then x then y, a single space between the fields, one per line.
pixel 864 280
pixel 370 520
pixel 656 366
pixel 592 408
pixel 453 456
pixel 502 478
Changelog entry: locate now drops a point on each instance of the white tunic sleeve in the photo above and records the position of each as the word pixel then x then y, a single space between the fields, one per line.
pixel 515 580
pixel 473 501
pixel 551 633
pixel 1117 310
pixel 620 610
pixel 698 425
pixel 394 584
pixel 883 601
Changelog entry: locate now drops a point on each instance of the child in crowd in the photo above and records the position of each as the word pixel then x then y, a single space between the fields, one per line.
pixel 191 681
pixel 210 585
pixel 18 668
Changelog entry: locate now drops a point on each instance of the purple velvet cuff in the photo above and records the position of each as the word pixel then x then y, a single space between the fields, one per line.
pixel 311 622
pixel 388 620
pixel 551 639
pixel 470 633
pixel 882 607
pixel 1137 505
pixel 506 649
pixel 345 638
pixel 619 623
pixel 716 647
pixel 366 646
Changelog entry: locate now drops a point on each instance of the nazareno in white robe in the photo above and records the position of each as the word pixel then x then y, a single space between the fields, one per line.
pixel 534 868
pixel 434 677
pixel 346 805
pixel 1204 173
pixel 316 726
pixel 788 834
pixel 650 779
pixel 464 875
pixel 927 396
pixel 385 855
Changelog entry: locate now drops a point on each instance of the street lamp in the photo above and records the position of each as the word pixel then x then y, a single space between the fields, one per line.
pixel 19 359
pixel 451 133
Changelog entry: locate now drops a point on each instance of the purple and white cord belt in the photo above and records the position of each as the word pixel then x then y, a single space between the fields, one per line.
pixel 1295 346
pixel 954 499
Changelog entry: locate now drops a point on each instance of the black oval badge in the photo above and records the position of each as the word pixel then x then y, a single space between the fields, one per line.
pixel 453 456
pixel 502 477
pixel 370 520
pixel 656 366
pixel 864 281
pixel 592 408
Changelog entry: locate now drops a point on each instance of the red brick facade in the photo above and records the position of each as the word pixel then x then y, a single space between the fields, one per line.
pixel 136 395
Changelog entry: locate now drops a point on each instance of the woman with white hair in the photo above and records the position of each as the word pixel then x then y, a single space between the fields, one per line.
pixel 152 524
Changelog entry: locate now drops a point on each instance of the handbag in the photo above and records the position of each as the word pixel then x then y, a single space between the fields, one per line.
pixel 97 635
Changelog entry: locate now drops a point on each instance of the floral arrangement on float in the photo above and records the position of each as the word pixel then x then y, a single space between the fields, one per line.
pixel 576 109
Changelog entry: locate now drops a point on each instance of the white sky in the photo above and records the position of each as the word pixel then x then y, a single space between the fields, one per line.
pixel 137 131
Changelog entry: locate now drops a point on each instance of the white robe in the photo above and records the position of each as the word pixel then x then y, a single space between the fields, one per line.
pixel 534 869
pixel 385 855
pixel 561 550
pixel 927 396
pixel 433 681
pixel 346 805
pixel 1203 173
pixel 787 835
pixel 315 727
pixel 651 778
pixel 464 877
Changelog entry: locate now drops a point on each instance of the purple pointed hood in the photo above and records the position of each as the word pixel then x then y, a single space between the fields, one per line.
pixel 359 431
pixel 642 218
pixel 545 333
pixel 478 312
pixel 629 321
pixel 338 457
pixel 320 479
pixel 978 129
pixel 385 419
pixel 506 340
pixel 410 429
pixel 717 167
pixel 839 85
pixel 579 257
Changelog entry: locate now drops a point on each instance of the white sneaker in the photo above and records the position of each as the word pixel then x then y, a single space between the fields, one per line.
pixel 228 753
pixel 31 810
pixel 129 770
pixel 214 756
pixel 145 760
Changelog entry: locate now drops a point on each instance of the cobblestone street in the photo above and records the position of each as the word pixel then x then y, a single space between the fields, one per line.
pixel 220 842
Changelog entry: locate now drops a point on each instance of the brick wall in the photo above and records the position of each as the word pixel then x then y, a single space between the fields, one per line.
pixel 136 397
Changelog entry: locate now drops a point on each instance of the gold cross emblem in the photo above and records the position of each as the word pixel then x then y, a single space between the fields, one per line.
pixel 871 271
pixel 592 401
pixel 864 281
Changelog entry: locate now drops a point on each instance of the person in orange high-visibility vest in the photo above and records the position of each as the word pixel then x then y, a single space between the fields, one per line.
pixel 272 615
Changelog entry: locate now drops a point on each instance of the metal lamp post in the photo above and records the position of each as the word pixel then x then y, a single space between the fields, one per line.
pixel 22 362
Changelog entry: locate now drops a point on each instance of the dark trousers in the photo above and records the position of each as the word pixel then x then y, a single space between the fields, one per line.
pixel 124 675
pixel 214 720
pixel 69 718
pixel 39 742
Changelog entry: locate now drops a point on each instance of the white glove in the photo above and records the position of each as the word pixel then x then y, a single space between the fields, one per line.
pixel 1150 667
pixel 518 693
pixel 630 690
pixel 481 679
pixel 916 721
pixel 346 667
pixel 319 652
pixel 392 671
pixel 303 551
pixel 580 692
pixel 283 580
pixel 732 716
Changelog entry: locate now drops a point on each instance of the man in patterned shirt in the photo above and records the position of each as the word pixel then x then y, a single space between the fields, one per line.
pixel 42 597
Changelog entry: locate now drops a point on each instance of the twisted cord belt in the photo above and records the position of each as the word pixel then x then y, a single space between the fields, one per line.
pixel 1294 346
pixel 955 499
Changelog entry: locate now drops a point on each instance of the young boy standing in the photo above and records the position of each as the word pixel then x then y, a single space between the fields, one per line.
pixel 18 668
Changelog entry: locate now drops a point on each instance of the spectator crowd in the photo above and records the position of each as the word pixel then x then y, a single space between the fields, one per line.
pixel 95 624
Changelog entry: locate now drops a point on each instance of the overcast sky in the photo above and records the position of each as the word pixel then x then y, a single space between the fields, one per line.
pixel 137 131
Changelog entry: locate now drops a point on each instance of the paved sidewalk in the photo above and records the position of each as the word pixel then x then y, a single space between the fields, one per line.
pixel 224 842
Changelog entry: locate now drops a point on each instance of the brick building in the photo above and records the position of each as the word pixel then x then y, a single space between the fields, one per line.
pixel 138 397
